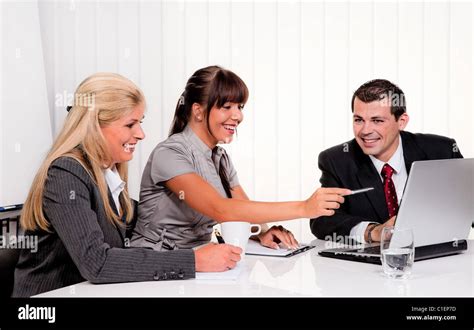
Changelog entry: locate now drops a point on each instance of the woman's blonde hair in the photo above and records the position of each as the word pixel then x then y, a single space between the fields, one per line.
pixel 99 100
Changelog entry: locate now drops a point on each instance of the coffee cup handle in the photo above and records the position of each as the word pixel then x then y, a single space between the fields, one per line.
pixel 259 229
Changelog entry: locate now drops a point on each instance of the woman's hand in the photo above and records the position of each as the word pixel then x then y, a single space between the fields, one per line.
pixel 324 201
pixel 278 234
pixel 216 257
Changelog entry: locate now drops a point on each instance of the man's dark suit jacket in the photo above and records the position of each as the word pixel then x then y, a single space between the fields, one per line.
pixel 84 244
pixel 346 166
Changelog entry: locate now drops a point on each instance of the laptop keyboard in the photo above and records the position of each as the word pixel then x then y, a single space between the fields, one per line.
pixel 371 250
pixel 372 254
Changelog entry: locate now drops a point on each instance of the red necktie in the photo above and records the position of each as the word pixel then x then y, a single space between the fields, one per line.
pixel 389 190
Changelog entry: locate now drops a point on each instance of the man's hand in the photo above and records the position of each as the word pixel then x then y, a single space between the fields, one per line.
pixel 377 231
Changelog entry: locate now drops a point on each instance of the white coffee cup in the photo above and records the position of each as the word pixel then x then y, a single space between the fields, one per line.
pixel 238 233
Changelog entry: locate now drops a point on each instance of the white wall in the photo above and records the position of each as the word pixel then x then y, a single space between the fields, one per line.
pixel 25 131
pixel 302 61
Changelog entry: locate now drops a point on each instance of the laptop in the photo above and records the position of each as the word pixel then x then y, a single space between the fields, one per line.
pixel 438 205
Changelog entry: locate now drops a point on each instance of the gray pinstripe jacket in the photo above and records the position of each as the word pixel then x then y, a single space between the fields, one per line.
pixel 84 245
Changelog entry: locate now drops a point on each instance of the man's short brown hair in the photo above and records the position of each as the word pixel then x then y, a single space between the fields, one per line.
pixel 379 89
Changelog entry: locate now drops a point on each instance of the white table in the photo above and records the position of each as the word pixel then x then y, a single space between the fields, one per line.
pixel 307 274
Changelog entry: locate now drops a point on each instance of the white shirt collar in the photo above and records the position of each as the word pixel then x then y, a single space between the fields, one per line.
pixel 114 181
pixel 396 161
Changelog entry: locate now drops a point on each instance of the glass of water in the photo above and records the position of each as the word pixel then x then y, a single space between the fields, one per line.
pixel 398 252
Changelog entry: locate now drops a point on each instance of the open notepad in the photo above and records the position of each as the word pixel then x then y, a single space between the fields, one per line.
pixel 232 274
pixel 256 249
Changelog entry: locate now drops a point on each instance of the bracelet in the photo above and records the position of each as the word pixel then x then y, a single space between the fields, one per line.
pixel 369 233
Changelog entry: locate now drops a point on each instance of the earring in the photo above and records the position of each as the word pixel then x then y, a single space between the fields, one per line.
pixel 199 118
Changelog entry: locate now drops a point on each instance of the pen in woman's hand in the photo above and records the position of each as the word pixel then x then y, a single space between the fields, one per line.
pixel 219 237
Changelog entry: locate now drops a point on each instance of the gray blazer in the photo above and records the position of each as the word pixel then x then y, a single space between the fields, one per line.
pixel 84 245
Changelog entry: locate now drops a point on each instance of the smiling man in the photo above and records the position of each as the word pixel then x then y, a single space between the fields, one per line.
pixel 379 156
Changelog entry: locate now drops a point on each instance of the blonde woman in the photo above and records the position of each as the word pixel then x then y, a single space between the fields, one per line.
pixel 79 208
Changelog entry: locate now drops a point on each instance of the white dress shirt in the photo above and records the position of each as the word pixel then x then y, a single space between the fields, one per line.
pixel 115 184
pixel 399 178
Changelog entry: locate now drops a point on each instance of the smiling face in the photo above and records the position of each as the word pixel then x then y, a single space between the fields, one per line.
pixel 223 121
pixel 122 135
pixel 375 129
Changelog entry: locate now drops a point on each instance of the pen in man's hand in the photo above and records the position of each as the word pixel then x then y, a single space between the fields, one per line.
pixel 219 237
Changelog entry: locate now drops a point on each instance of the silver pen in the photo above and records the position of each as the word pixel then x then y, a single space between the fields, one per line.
pixel 358 191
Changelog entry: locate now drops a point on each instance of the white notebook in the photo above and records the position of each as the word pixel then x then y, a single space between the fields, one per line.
pixel 255 248
pixel 232 274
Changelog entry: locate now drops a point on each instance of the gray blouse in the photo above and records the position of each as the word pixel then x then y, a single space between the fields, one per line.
pixel 165 221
